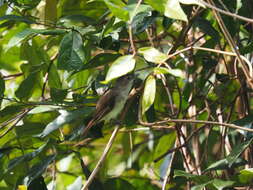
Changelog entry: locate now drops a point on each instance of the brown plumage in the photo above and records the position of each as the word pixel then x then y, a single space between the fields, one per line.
pixel 106 103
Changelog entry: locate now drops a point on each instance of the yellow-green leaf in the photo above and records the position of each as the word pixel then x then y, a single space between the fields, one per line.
pixel 118 9
pixel 174 10
pixel 148 96
pixel 120 67
pixel 153 55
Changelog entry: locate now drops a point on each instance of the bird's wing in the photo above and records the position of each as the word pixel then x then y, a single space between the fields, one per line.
pixel 104 106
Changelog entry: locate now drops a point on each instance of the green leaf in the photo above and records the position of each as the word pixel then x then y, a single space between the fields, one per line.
pixel 141 9
pixel 224 164
pixel 65 117
pixel 201 186
pixel 58 95
pixel 174 10
pixel 206 27
pixel 148 96
pixel 167 141
pixel 51 11
pixel 180 173
pixel 199 179
pixel 77 184
pixel 38 169
pixel 17 18
pixel 170 8
pixel 19 37
pixel 10 111
pixel 237 151
pixel 153 55
pixel 71 53
pixel 118 183
pixel 28 32
pixel 27 157
pixel 158 5
pixel 121 66
pixel 26 87
pixel 100 59
pixel 192 2
pixel 118 9
pixel 246 175
pixel 221 184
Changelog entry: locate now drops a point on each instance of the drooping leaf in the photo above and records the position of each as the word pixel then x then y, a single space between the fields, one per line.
pixel 224 164
pixel 26 87
pixel 77 185
pixel 51 11
pixel 38 169
pixel 153 55
pixel 71 53
pixel 27 157
pixel 237 151
pixel 174 10
pixel 149 92
pixel 121 66
pixel 65 117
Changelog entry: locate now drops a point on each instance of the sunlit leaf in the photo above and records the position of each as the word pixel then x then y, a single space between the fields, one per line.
pixel 77 184
pixel 153 55
pixel 149 92
pixel 117 8
pixel 192 2
pixel 246 175
pixel 121 66
pixel 173 10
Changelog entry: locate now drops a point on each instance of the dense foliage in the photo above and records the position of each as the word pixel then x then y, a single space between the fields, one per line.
pixel 187 123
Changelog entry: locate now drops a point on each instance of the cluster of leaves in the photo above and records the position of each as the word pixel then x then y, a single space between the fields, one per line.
pixel 53 57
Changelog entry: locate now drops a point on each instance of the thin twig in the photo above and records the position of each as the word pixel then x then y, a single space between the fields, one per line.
pixel 232 44
pixel 226 12
pixel 130 28
pixel 233 126
pixel 102 158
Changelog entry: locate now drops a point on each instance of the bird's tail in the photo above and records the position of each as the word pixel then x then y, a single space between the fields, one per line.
pixel 87 128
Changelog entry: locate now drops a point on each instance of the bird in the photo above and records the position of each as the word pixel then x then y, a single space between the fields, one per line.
pixel 112 102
